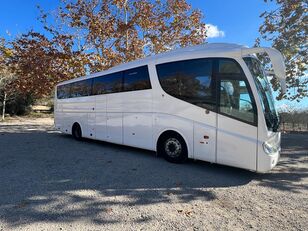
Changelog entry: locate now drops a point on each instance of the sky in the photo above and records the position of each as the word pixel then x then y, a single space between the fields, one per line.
pixel 232 21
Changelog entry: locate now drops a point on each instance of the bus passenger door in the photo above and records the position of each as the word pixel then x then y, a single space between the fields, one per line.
pixel 236 123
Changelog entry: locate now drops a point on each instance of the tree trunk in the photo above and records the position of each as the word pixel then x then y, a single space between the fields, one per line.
pixel 3 105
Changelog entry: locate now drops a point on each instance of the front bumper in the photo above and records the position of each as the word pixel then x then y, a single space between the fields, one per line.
pixel 268 162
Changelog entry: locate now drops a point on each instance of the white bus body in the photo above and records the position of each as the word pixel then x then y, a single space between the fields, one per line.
pixel 209 102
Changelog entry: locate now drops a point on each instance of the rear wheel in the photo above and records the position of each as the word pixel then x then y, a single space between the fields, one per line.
pixel 76 131
pixel 173 148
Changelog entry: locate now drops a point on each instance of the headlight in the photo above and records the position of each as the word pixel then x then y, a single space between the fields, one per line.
pixel 270 148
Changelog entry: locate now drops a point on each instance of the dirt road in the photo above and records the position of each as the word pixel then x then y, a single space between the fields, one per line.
pixel 49 181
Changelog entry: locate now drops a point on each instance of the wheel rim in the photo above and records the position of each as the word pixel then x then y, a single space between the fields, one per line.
pixel 173 147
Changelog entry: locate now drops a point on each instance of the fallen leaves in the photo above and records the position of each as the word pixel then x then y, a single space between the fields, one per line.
pixel 108 210
pixel 187 213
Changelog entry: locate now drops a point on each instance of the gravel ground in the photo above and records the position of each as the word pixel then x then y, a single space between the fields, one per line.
pixel 48 181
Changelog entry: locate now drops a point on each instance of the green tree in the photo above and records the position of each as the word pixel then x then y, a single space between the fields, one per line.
pixel 286 28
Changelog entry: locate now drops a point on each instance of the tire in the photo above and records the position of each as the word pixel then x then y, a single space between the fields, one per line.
pixel 76 131
pixel 173 148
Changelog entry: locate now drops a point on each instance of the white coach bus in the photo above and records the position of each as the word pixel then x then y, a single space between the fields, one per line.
pixel 209 102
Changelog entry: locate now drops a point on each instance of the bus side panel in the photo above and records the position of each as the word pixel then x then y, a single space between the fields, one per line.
pixel 138 119
pixel 101 117
pixel 101 126
pixel 58 119
pixel 114 122
pixel 89 122
pixel 205 142
pixel 67 122
pixel 138 130
pixel 76 110
pixel 62 122
pixel 115 127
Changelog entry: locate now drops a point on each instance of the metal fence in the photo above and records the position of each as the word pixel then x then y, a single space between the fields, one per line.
pixel 298 127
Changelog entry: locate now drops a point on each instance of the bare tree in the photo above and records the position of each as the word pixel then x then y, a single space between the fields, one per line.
pixel 6 77
pixel 7 92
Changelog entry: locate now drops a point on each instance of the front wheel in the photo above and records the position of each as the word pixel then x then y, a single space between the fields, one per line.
pixel 173 149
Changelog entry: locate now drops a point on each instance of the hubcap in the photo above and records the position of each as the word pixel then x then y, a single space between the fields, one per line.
pixel 173 147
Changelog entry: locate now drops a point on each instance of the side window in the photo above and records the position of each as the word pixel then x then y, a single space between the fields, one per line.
pixel 81 88
pixel 63 91
pixel 137 79
pixel 235 98
pixel 111 83
pixel 99 85
pixel 114 82
pixel 189 80
pixel 228 66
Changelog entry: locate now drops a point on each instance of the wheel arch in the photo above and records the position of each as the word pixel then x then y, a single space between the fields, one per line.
pixel 75 124
pixel 167 131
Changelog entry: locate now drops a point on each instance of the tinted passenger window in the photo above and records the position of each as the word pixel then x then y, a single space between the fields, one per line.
pixel 189 80
pixel 81 88
pixel 100 85
pixel 137 79
pixel 111 83
pixel 228 66
pixel 114 83
pixel 63 91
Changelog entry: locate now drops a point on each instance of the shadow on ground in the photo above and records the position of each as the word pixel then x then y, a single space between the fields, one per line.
pixel 47 176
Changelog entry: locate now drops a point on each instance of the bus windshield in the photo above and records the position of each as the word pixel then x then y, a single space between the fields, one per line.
pixel 265 93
